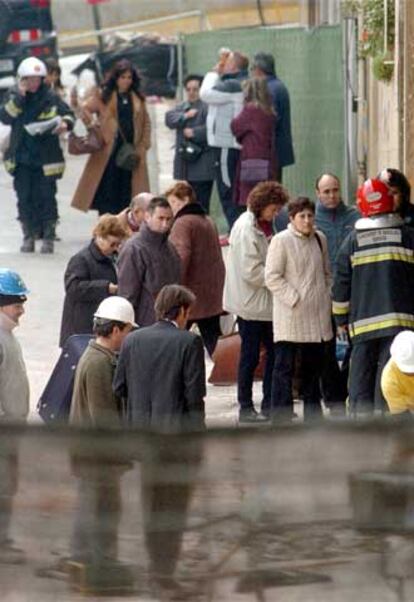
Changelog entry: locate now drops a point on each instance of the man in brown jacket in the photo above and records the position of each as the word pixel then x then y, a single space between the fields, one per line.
pixel 148 261
pixel 93 403
pixel 95 532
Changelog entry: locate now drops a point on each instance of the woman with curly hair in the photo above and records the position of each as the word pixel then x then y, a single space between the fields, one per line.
pixel 246 295
pixel 119 107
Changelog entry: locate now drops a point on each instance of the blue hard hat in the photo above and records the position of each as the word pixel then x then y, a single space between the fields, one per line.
pixel 11 283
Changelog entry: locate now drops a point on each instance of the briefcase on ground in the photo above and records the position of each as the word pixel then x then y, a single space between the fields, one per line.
pixel 54 403
pixel 226 358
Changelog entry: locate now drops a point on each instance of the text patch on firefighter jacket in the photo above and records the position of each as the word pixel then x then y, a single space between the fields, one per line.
pixel 374 286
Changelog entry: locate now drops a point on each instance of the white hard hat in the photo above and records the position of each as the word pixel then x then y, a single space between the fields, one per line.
pixel 402 351
pixel 116 308
pixel 32 67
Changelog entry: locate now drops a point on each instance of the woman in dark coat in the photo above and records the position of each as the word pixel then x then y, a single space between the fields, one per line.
pixel 121 110
pixel 90 277
pixel 254 129
pixel 195 237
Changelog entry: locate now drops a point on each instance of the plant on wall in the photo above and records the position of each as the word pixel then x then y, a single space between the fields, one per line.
pixel 372 42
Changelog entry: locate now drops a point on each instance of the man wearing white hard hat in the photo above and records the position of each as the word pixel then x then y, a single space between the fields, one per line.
pixel 397 380
pixel 93 403
pixel 98 513
pixel 34 158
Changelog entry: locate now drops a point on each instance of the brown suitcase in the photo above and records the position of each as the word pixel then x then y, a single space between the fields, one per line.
pixel 226 359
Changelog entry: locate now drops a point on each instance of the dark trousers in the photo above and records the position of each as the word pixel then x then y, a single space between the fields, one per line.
pixel 209 330
pixel 367 362
pixel 226 160
pixel 254 333
pixel 203 190
pixel 333 380
pixel 36 197
pixel 283 370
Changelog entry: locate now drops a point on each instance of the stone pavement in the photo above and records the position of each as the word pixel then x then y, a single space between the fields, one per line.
pixel 43 274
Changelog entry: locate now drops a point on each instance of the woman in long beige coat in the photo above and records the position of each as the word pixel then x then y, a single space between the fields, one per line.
pixel 120 109
pixel 297 274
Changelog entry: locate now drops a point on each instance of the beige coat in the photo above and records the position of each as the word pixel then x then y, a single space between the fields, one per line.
pixel 298 275
pixel 95 166
pixel 245 292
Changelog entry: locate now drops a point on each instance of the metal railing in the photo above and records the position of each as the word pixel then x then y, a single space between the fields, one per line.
pixel 203 21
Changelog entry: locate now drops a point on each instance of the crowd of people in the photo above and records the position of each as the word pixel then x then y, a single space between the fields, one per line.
pixel 303 278
pixel 287 261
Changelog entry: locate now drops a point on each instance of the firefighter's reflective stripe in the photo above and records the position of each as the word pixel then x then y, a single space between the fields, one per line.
pixel 381 322
pixel 54 169
pixel 9 165
pixel 340 308
pixel 52 112
pixel 385 253
pixel 12 109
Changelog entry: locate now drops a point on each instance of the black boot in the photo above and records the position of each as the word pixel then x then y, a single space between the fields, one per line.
pixel 48 237
pixel 28 245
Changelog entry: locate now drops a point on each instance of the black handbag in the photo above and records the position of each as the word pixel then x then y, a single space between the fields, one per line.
pixel 190 151
pixel 126 157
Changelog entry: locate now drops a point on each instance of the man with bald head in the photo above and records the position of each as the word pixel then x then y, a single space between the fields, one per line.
pixel 132 217
pixel 336 220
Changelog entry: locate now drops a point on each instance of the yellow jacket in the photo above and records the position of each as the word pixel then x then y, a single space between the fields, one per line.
pixel 398 388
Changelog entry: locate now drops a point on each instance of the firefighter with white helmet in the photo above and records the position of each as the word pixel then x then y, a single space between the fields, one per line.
pixel 34 158
pixel 373 291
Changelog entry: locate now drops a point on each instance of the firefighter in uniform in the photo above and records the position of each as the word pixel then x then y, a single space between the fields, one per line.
pixel 373 291
pixel 35 160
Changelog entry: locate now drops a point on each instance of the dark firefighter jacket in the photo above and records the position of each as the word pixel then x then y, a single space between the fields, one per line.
pixel 374 283
pixel 40 150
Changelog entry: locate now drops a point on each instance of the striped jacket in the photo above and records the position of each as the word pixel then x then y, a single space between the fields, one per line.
pixel 374 285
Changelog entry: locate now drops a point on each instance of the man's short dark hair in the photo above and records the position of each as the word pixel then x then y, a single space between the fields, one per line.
pixel 170 299
pixel 104 328
pixel 158 201
pixel 265 62
pixel 300 204
pixel 194 77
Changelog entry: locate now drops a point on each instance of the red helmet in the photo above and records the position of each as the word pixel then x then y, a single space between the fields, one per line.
pixel 374 197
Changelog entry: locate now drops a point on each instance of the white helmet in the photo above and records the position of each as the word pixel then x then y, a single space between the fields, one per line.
pixel 116 308
pixel 32 67
pixel 402 351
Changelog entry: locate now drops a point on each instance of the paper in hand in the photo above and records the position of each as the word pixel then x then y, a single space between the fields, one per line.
pixel 41 127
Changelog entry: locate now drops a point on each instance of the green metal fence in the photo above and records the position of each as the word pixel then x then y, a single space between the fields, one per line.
pixel 310 64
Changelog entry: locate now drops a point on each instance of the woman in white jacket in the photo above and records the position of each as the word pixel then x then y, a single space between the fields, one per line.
pixel 246 295
pixel 298 275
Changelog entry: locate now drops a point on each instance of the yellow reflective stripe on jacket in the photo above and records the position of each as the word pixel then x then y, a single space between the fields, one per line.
pixel 9 165
pixel 53 169
pixel 384 253
pixel 340 308
pixel 52 112
pixel 381 323
pixel 11 108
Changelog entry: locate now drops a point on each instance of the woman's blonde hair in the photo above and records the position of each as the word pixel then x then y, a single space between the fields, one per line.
pixel 109 225
pixel 256 92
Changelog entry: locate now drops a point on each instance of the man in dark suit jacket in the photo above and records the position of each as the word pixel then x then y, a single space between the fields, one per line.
pixel 263 66
pixel 161 371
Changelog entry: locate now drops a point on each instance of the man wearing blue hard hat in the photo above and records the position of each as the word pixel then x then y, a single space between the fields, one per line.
pixel 14 401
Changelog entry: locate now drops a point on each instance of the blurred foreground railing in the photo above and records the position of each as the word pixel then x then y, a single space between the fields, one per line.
pixel 292 513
